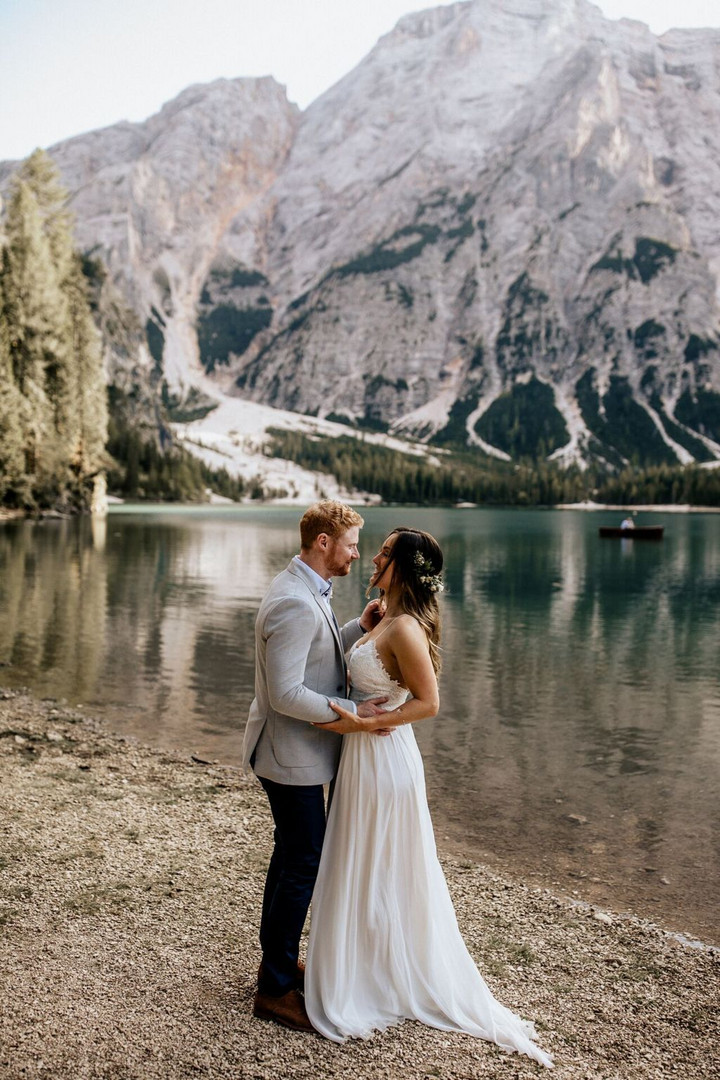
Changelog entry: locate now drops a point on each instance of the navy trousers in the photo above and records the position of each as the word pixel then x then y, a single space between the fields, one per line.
pixel 299 816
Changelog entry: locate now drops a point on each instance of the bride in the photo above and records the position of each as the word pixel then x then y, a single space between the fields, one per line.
pixel 384 941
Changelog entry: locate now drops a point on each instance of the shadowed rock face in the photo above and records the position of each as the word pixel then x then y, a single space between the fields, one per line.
pixel 500 228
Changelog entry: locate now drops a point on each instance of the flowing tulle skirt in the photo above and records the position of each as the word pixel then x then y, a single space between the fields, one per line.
pixel 384 941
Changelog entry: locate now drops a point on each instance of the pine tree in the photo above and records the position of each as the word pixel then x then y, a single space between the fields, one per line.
pixel 79 391
pixel 42 176
pixel 35 314
pixel 34 306
pixel 89 391
pixel 13 418
pixel 52 346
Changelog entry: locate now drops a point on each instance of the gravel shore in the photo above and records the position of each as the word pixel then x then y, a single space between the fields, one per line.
pixel 130 886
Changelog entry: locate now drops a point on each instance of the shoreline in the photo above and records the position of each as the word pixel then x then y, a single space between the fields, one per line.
pixel 650 508
pixel 117 506
pixel 129 896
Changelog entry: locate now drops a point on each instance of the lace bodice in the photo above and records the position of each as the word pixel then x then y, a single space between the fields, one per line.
pixel 370 679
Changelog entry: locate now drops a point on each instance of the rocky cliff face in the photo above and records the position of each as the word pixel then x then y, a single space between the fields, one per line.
pixel 500 229
pixel 156 202
pixel 503 230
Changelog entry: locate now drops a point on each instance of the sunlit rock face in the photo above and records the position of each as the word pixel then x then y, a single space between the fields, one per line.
pixel 156 201
pixel 499 229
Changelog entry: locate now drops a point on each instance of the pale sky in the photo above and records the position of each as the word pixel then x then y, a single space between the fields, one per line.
pixel 68 66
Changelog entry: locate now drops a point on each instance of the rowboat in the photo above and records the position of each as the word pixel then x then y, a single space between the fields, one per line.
pixel 640 532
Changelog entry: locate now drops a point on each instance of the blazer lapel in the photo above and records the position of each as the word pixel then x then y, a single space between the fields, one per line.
pixel 324 607
pixel 332 621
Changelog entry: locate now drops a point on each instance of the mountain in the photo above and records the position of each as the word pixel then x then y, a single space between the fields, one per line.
pixel 499 230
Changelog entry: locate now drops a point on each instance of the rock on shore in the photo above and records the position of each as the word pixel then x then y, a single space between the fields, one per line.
pixel 130 886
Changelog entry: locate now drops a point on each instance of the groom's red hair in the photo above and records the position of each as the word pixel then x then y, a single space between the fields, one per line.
pixel 329 516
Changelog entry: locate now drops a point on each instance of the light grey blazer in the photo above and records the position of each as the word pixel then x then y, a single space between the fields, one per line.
pixel 299 665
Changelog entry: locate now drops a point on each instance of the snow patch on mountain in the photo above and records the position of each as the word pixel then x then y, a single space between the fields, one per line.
pixel 234 436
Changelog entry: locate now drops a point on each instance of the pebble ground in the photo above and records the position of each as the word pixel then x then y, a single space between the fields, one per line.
pixel 130 886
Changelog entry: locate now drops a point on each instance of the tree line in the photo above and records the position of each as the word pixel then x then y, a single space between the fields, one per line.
pixel 53 403
pixel 401 478
pixel 140 470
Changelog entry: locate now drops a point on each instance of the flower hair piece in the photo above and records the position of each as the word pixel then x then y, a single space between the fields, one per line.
pixel 426 574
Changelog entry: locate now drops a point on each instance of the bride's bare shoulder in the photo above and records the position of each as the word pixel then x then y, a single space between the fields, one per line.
pixel 407 628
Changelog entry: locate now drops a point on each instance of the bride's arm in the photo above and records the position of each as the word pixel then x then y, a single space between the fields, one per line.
pixel 409 646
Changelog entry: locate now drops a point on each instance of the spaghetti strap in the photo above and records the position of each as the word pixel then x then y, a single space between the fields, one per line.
pixel 392 620
pixel 365 640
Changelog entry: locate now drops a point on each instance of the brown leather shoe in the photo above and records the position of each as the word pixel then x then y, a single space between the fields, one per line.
pixel 288 1010
pixel 300 975
pixel 300 985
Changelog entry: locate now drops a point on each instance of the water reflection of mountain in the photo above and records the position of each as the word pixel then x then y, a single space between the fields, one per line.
pixel 156 623
pixel 204 580
pixel 580 722
pixel 53 599
pixel 581 698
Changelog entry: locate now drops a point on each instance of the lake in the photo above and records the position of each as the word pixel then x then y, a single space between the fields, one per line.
pixel 578 742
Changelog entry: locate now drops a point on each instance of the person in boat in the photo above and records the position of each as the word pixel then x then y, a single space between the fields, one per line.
pixel 627 523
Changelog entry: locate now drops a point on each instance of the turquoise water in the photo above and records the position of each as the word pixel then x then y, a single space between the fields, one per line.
pixel 578 741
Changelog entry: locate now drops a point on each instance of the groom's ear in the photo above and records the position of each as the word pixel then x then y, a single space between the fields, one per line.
pixel 322 540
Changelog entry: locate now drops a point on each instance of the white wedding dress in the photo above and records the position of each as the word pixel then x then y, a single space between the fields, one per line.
pixel 384 941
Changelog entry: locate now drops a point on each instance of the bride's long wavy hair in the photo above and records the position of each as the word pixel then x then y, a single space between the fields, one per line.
pixel 419 583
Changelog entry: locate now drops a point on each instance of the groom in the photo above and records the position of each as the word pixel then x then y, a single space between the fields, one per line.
pixel 299 666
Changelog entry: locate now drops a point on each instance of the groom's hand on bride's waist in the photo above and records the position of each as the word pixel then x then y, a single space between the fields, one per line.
pixel 365 720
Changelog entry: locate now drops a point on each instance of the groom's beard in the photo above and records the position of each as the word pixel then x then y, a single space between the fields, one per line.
pixel 340 569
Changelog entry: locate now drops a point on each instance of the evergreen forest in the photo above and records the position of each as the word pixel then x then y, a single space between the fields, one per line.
pixel 53 401
pixel 465 477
